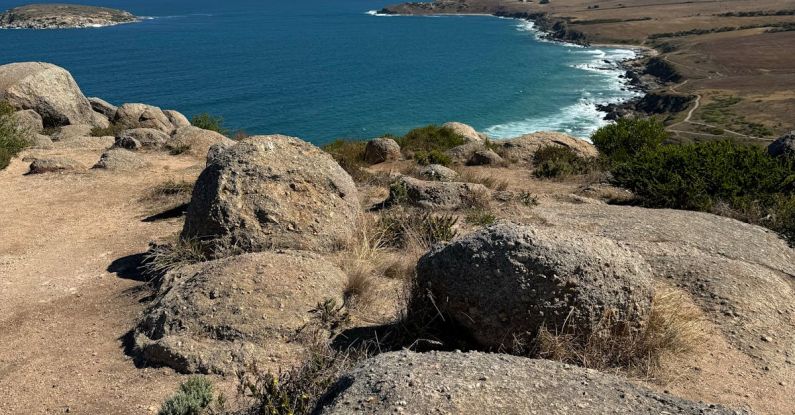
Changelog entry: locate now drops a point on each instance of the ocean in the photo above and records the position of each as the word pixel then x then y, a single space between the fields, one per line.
pixel 321 70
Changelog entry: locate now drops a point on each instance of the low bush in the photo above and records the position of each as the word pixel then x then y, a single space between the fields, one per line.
pixel 555 162
pixel 349 154
pixel 429 138
pixel 162 258
pixel 194 398
pixel 628 137
pixel 209 122
pixel 697 176
pixel 296 391
pixel 722 177
pixel 480 217
pixel 12 138
pixel 425 158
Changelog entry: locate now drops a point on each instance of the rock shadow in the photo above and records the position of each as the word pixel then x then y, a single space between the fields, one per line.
pixel 168 214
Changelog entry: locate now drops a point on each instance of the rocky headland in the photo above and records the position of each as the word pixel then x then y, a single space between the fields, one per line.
pixel 63 16
pixel 139 249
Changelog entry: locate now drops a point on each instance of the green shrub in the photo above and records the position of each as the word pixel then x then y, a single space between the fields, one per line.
pixel 695 176
pixel 627 138
pixel 721 177
pixel 349 154
pixel 429 138
pixel 555 161
pixel 12 138
pixel 296 392
pixel 194 396
pixel 209 122
pixel 425 158
pixel 480 217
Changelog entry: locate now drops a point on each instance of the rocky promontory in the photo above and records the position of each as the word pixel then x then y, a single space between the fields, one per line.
pixel 63 16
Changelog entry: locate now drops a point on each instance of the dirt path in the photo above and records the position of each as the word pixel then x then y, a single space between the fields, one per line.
pixel 62 312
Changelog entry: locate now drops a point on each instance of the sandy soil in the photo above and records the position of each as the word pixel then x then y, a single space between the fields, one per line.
pixel 65 304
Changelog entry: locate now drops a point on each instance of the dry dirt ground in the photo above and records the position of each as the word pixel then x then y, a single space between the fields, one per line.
pixel 68 294
pixel 65 301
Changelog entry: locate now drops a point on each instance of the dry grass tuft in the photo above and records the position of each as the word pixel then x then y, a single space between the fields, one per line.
pixel 675 327
pixel 467 176
pixel 162 258
pixel 170 194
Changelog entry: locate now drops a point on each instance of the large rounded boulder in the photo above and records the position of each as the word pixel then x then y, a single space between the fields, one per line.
pixel 464 130
pixel 486 384
pixel 47 89
pixel 381 150
pixel 524 148
pixel 784 146
pixel 270 192
pixel 195 141
pixel 506 282
pixel 235 313
pixel 131 116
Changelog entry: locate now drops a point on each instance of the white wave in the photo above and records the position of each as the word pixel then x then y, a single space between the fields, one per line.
pixel 376 13
pixel 579 120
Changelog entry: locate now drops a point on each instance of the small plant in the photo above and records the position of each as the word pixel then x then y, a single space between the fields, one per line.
pixel 112 130
pixel 209 122
pixel 528 199
pixel 430 138
pixel 329 314
pixel 194 398
pixel 674 327
pixel 160 259
pixel 349 154
pixel 622 141
pixel 425 158
pixel 402 228
pixel 13 139
pixel 296 391
pixel 555 162
pixel 480 217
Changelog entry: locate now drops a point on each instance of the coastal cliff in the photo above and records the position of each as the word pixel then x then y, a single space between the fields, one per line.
pixel 697 57
pixel 63 16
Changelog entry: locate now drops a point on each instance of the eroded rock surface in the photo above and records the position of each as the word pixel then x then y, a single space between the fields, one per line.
pixel 479 383
pixel 741 275
pixel 505 282
pixel 233 313
pixel 47 89
pixel 270 192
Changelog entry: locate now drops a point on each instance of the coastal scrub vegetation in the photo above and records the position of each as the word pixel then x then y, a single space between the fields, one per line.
pixel 206 121
pixel 555 161
pixel 429 139
pixel 195 397
pixel 722 177
pixel 349 154
pixel 12 138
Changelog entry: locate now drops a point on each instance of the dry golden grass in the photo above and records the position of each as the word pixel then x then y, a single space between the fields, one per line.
pixel 675 327
pixel 491 182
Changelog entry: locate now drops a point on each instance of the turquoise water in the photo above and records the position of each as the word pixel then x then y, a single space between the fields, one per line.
pixel 322 69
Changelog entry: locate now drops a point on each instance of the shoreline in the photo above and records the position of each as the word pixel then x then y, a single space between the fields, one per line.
pixel 630 80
